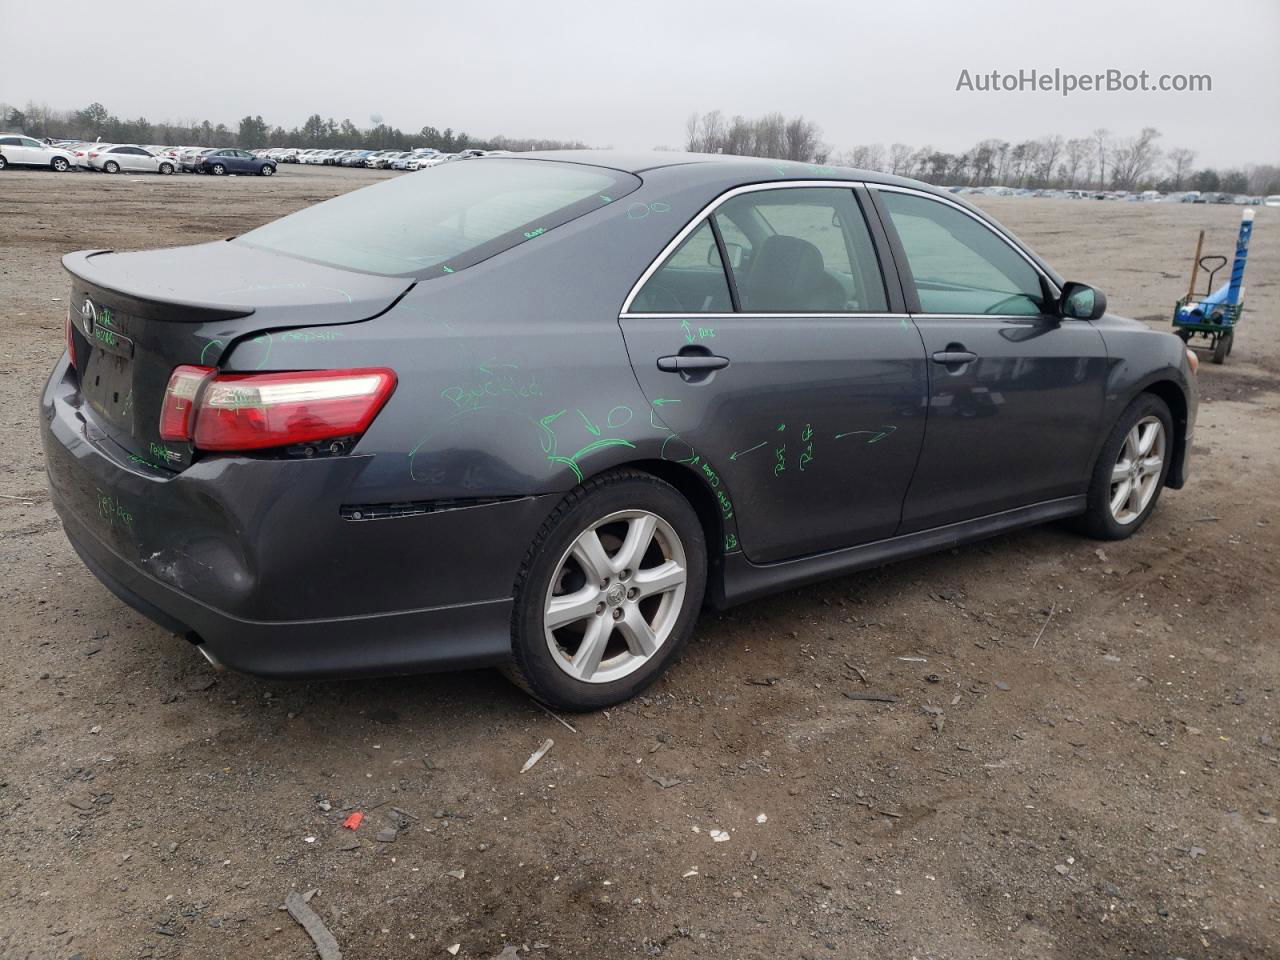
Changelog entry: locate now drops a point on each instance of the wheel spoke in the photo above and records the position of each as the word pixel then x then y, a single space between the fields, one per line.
pixel 1136 497
pixel 639 536
pixel 1131 443
pixel 1151 465
pixel 572 607
pixel 589 552
pixel 1147 438
pixel 587 660
pixel 637 632
pixel 1119 495
pixel 659 579
pixel 1120 472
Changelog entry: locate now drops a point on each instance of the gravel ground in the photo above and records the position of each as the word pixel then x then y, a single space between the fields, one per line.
pixel 1108 791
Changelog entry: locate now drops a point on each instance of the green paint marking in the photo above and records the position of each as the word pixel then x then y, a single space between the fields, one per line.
pixel 591 427
pixel 577 471
pixel 266 356
pixel 878 435
pixel 606 199
pixel 446 269
pixel 529 235
pixel 598 444
pixel 741 453
pixel 688 333
pixel 206 349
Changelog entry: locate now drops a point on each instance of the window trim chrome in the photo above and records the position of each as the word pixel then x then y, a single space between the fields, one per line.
pixel 711 208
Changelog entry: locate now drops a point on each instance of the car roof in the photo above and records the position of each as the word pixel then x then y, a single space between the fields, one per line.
pixel 718 166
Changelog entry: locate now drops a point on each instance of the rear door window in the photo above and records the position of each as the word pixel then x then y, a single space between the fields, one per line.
pixel 691 280
pixel 801 250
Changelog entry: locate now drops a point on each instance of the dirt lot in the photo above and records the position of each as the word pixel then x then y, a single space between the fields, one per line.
pixel 1110 791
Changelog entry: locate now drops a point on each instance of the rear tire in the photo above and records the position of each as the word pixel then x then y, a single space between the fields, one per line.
pixel 111 167
pixel 638 592
pixel 3 162
pixel 59 164
pixel 166 169
pixel 217 169
pixel 1127 480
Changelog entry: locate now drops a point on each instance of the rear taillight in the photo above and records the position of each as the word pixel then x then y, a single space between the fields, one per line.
pixel 255 411
pixel 71 343
pixel 178 410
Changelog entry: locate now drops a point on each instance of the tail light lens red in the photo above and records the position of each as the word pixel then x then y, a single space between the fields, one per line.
pixel 255 411
pixel 178 409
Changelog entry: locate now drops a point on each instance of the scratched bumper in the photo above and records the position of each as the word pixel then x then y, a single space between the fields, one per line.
pixel 253 558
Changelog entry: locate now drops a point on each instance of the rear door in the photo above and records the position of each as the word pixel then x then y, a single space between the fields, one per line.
pixel 36 152
pixel 130 158
pixel 1015 391
pixel 791 379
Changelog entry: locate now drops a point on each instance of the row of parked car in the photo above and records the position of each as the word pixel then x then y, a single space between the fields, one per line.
pixel 64 155
pixel 1188 196
pixel 420 158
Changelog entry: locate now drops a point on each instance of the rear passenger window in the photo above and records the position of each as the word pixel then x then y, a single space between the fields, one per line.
pixel 801 250
pixel 692 280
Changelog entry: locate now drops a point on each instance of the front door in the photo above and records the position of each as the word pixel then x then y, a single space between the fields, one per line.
pixel 1015 391
pixel 786 379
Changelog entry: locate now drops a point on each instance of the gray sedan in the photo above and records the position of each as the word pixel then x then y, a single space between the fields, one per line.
pixel 535 412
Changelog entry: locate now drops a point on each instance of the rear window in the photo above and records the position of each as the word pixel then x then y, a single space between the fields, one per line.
pixel 444 219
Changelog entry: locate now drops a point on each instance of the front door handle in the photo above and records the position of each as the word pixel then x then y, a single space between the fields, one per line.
pixel 692 363
pixel 954 356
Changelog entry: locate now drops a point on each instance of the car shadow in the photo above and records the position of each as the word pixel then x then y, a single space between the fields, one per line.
pixel 486 698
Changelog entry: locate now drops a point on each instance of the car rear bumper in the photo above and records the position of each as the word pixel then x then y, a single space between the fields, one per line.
pixel 253 560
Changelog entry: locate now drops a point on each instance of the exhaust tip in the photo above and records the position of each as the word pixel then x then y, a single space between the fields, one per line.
pixel 208 655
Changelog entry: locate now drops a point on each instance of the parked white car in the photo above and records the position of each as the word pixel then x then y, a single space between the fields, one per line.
pixel 129 158
pixel 23 151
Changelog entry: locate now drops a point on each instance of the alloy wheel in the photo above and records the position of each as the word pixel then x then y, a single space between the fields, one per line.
pixel 615 597
pixel 1135 478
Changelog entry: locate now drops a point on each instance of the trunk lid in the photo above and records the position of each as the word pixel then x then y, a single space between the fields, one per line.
pixel 136 316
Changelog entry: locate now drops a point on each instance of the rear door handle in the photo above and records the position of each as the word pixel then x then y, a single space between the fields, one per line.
pixel 695 363
pixel 954 356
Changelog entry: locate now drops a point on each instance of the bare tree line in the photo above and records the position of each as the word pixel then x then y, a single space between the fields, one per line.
pixel 1099 161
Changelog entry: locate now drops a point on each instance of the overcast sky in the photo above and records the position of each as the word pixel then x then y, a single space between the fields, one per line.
pixel 628 75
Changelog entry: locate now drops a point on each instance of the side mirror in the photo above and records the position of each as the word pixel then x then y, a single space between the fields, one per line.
pixel 1079 301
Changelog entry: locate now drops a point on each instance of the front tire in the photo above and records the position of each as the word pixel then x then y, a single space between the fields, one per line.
pixel 1130 471
pixel 3 162
pixel 59 164
pixel 267 170
pixel 608 593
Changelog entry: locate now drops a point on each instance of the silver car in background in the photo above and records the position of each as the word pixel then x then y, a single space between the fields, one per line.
pixel 130 158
